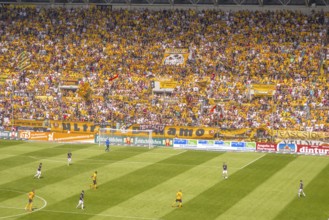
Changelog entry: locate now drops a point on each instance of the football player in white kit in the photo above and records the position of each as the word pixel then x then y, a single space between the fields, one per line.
pixel 69 158
pixel 81 200
pixel 225 174
pixel 301 189
pixel 38 174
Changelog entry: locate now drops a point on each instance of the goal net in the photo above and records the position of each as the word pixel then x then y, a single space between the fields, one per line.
pixel 123 137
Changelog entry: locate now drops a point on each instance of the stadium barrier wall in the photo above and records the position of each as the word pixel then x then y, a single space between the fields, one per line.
pixel 306 147
pixel 135 141
pixel 293 147
pixel 9 135
pixel 214 145
pixel 54 136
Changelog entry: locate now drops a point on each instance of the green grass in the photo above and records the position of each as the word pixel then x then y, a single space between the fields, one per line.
pixel 138 183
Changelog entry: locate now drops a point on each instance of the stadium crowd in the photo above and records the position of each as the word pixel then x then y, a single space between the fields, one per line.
pixel 115 55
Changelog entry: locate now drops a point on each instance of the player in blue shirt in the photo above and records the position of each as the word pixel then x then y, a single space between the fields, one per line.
pixel 107 144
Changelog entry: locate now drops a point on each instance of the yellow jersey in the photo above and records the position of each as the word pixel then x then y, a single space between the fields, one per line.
pixel 31 195
pixel 94 176
pixel 179 195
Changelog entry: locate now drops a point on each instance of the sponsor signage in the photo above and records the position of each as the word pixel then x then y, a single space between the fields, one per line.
pixel 203 144
pixel 155 141
pixel 13 135
pixel 286 148
pixel 114 140
pixel 184 143
pixel 243 146
pixel 68 137
pixel 238 144
pixel 313 149
pixel 304 142
pixel 4 134
pixel 251 145
pixel 180 142
pixel 53 136
pixel 214 145
pixel 271 147
pixel 125 140
pixel 192 143
pixel 222 145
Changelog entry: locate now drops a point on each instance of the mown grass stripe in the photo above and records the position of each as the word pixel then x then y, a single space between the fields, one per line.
pixel 48 164
pixel 127 186
pixel 47 151
pixel 62 172
pixel 316 203
pixel 225 194
pixel 61 190
pixel 70 186
pixel 192 183
pixel 279 190
pixel 9 143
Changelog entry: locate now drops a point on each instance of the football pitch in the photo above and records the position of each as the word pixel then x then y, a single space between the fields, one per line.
pixel 141 184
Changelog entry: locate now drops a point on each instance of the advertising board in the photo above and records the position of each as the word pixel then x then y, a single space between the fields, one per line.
pixel 313 149
pixel 264 146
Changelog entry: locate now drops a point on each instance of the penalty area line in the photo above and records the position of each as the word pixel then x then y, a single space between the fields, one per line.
pixel 252 162
pixel 94 214
pixel 10 207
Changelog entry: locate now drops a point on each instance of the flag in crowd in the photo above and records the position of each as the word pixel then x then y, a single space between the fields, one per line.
pixel 23 61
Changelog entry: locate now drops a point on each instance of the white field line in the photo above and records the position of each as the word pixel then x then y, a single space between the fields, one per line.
pixel 252 162
pixel 64 160
pixel 33 157
pixel 232 170
pixel 98 149
pixel 25 213
pixel 183 151
pixel 120 162
pixel 10 207
pixel 104 215
pixel 95 161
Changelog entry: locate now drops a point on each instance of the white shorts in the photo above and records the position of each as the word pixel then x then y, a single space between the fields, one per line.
pixel 225 172
pixel 300 191
pixel 38 172
pixel 80 202
pixel 69 159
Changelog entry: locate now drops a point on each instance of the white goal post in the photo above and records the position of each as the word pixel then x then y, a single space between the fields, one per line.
pixel 123 137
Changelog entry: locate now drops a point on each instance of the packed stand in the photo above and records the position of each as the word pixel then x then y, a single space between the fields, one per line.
pixel 228 51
